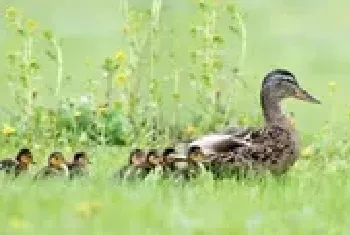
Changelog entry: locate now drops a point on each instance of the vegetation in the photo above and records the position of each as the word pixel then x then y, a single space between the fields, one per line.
pixel 165 81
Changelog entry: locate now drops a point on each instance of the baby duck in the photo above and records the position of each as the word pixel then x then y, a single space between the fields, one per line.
pixel 158 164
pixel 190 166
pixel 79 166
pixel 20 164
pixel 57 166
pixel 137 167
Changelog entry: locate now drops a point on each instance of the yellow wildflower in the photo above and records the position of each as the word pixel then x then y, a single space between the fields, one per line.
pixel 120 56
pixel 101 110
pixel 11 13
pixel 308 151
pixel 8 130
pixel 190 130
pixel 32 25
pixel 120 78
pixel 86 209
pixel 17 223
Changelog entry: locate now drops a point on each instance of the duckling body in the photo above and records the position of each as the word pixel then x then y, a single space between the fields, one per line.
pixel 8 165
pixel 56 168
pixel 79 166
pixel 136 169
pixel 52 172
pixel 274 147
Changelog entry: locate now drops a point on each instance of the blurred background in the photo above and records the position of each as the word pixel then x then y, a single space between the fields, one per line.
pixel 310 38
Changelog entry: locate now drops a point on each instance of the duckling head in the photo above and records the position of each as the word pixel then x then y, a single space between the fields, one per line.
pixel 81 159
pixel 195 153
pixel 137 157
pixel 154 158
pixel 24 157
pixel 56 160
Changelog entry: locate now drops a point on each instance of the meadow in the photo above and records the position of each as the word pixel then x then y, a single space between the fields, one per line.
pixel 111 75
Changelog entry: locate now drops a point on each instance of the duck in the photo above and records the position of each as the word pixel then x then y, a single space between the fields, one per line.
pixel 78 167
pixel 56 167
pixel 273 147
pixel 18 165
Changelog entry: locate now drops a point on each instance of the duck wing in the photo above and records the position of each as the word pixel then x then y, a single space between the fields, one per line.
pixel 272 148
pixel 219 143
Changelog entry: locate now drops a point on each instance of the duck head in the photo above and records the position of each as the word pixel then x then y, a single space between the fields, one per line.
pixel 278 85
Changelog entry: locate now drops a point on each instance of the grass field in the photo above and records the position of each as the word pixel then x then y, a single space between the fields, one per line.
pixel 309 38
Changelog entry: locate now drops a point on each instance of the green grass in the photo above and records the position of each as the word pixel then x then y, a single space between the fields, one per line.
pixel 307 38
pixel 310 200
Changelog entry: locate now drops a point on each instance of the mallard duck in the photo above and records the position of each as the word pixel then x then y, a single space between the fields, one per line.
pixel 78 166
pixel 273 147
pixel 137 167
pixel 57 167
pixel 19 164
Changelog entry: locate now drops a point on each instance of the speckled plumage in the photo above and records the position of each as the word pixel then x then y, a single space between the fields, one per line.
pixel 273 147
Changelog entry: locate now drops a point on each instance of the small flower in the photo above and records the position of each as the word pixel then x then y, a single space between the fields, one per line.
pixel 120 78
pixel 308 151
pixel 17 223
pixel 31 25
pixel 120 56
pixel 86 209
pixel 8 130
pixel 190 130
pixel 101 109
pixel 11 13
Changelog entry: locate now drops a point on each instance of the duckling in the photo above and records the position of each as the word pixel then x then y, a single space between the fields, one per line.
pixel 188 166
pixel 156 161
pixel 78 167
pixel 160 164
pixel 273 147
pixel 57 167
pixel 20 164
pixel 137 167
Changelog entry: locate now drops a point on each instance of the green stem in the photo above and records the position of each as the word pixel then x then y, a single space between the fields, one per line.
pixel 59 67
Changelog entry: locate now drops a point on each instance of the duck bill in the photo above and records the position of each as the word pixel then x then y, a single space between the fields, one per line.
pixel 302 94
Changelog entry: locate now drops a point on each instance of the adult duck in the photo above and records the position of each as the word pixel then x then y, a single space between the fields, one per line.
pixel 274 146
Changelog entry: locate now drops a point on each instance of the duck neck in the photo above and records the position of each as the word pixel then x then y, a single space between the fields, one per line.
pixel 272 112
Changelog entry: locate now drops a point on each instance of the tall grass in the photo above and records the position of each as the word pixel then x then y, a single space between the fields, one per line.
pixel 149 87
